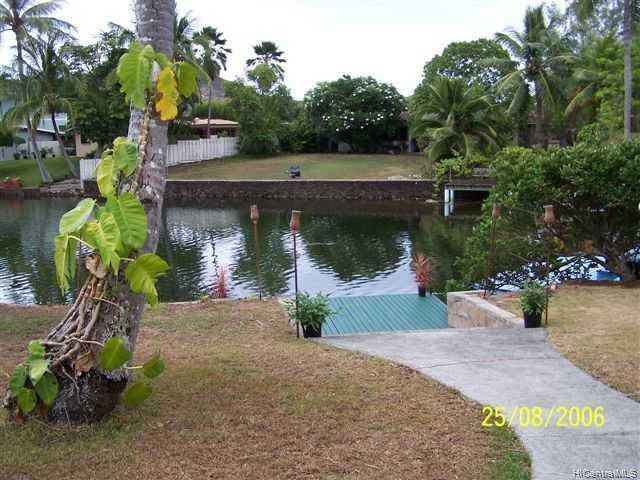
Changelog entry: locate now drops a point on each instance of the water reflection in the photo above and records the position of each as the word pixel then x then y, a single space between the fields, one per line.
pixel 344 248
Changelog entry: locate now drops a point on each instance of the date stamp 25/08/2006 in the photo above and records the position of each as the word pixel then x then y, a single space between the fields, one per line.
pixel 538 417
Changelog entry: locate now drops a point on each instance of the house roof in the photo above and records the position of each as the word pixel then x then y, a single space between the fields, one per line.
pixel 215 123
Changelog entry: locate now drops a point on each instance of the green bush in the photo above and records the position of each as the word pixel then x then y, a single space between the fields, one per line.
pixel 594 188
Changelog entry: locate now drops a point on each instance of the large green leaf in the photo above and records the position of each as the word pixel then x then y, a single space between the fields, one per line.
pixel 106 176
pixel 26 400
pixel 153 367
pixel 47 389
pixel 142 274
pixel 36 349
pixel 130 217
pixel 125 155
pixel 73 220
pixel 37 368
pixel 18 378
pixel 136 394
pixel 65 260
pixel 186 75
pixel 134 72
pixel 114 354
pixel 105 237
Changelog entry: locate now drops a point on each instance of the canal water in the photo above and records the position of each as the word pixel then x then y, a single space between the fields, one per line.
pixel 344 248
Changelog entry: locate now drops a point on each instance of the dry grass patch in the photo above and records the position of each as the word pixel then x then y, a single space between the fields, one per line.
pixel 312 165
pixel 598 329
pixel 243 398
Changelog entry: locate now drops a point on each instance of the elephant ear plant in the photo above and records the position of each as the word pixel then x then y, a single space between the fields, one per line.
pixel 310 312
pixel 83 362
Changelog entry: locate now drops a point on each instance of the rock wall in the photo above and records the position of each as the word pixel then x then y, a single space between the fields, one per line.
pixel 294 189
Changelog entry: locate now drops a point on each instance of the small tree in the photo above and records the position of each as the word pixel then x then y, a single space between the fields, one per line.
pixel 594 187
pixel 359 111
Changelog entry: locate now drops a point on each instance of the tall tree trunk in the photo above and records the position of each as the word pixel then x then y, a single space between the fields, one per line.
pixel 31 129
pixel 628 81
pixel 63 150
pixel 209 111
pixel 539 132
pixel 94 394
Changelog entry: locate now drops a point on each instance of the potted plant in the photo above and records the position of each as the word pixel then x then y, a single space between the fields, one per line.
pixel 310 313
pixel 533 299
pixel 423 271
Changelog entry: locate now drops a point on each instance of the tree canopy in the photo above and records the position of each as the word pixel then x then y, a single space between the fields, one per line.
pixel 359 111
pixel 464 60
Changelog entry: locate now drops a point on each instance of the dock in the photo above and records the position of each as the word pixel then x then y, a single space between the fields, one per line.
pixel 384 313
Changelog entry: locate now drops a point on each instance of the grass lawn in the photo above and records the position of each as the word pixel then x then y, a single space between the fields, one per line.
pixel 313 166
pixel 27 170
pixel 598 329
pixel 243 398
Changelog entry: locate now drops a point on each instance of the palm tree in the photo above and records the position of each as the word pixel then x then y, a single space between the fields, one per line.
pixel 154 24
pixel 183 29
pixel 212 59
pixel 534 53
pixel 455 118
pixel 585 9
pixel 267 53
pixel 588 76
pixel 25 18
pixel 52 80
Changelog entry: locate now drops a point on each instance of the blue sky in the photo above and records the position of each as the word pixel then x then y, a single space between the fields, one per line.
pixel 323 39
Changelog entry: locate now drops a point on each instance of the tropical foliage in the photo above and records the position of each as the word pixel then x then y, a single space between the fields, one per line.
pixel 595 226
pixel 360 112
pixel 453 119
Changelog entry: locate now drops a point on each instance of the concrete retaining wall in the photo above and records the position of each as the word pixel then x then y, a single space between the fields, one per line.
pixel 294 189
pixel 469 309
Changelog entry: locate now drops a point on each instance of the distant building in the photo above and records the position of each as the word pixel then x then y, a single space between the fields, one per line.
pixel 217 126
pixel 45 132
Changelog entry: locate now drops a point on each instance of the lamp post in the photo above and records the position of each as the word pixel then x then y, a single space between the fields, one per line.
pixel 549 220
pixel 255 216
pixel 495 213
pixel 294 225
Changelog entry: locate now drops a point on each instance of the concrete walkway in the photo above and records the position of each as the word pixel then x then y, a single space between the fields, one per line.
pixel 516 367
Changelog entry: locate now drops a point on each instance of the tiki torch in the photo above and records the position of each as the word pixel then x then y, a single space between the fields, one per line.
pixel 255 216
pixel 549 220
pixel 295 226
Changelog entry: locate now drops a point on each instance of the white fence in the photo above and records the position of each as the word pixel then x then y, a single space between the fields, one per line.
pixel 188 151
pixel 7 153
pixel 185 151
pixel 88 168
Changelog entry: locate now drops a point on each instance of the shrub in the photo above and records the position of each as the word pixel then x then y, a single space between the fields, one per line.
pixel 594 188
pixel 533 298
pixel 311 312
